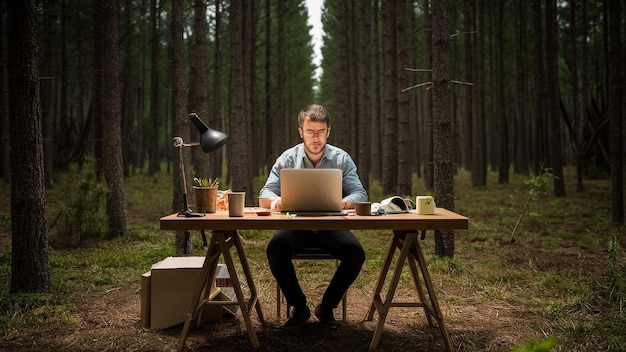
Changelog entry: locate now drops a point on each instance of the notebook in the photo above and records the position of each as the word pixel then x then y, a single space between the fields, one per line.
pixel 311 192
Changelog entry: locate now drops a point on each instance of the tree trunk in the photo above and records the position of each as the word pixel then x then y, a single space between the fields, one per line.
pixel 30 269
pixel 48 79
pixel 539 127
pixel 479 166
pixel 501 115
pixel 179 117
pixel 522 161
pixel 239 166
pixel 553 96
pixel 442 123
pixel 198 88
pixel 5 158
pixel 468 45
pixel 364 128
pixel 216 119
pixel 615 113
pixel 405 145
pixel 429 181
pixel 111 128
pixel 390 112
pixel 154 163
pixel 376 135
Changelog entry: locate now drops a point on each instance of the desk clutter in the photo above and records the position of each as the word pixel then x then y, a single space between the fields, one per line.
pixel 167 290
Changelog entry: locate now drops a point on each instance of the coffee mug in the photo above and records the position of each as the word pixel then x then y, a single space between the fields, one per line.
pixel 425 205
pixel 236 202
pixel 363 208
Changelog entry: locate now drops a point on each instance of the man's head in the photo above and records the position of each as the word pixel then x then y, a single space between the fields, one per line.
pixel 315 113
pixel 314 122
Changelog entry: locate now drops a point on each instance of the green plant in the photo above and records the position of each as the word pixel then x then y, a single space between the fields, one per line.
pixel 206 182
pixel 537 345
pixel 538 186
pixel 82 214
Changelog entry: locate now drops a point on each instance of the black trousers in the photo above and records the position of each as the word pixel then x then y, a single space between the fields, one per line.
pixel 341 243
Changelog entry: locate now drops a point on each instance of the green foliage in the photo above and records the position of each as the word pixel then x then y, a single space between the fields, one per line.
pixel 82 214
pixel 538 185
pixel 537 345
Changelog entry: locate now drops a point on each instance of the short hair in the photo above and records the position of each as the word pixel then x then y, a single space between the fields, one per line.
pixel 314 112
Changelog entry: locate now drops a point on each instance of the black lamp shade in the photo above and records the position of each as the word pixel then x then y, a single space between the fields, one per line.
pixel 210 139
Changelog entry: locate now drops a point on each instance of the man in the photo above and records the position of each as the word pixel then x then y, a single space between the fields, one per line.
pixel 313 152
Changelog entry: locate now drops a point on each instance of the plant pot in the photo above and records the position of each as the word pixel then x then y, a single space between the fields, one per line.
pixel 206 199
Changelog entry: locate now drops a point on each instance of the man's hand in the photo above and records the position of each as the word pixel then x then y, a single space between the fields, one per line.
pixel 347 205
pixel 277 204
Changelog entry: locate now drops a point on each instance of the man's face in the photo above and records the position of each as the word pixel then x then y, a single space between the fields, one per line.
pixel 314 134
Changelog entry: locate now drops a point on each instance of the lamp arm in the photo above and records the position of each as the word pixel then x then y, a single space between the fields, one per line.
pixel 186 211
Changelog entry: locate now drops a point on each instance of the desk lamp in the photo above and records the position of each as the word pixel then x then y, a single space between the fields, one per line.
pixel 210 140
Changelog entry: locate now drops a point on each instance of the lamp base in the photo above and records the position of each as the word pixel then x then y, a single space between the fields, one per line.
pixel 187 213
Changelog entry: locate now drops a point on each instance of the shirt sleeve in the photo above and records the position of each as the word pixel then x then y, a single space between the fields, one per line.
pixel 353 190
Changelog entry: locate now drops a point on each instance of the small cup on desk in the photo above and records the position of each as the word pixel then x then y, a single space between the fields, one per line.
pixel 363 208
pixel 265 203
pixel 425 205
pixel 236 203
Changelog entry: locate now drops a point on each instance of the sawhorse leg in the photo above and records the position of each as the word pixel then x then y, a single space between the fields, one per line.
pixel 219 245
pixel 407 243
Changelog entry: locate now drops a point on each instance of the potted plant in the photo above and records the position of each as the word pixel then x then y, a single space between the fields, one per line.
pixel 206 194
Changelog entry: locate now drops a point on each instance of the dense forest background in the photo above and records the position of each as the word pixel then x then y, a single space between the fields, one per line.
pixel 526 79
pixel 523 86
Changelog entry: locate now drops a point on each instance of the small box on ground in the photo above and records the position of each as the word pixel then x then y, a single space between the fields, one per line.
pixel 167 292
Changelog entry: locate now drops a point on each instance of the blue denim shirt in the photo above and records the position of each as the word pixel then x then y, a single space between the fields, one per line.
pixel 334 158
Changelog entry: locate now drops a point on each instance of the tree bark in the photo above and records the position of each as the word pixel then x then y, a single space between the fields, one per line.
pixel 48 79
pixel 429 177
pixel 179 117
pixel 154 162
pixel 237 150
pixel 501 112
pixel 112 122
pixel 442 123
pixel 615 113
pixel 364 128
pixel 390 112
pixel 376 135
pixel 198 88
pixel 553 97
pixel 405 145
pixel 479 166
pixel 5 130
pixel 30 269
pixel 216 119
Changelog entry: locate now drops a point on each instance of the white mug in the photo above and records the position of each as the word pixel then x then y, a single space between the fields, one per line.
pixel 425 205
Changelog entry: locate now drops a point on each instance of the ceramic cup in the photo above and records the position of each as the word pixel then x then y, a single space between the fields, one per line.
pixel 425 205
pixel 236 202
pixel 363 208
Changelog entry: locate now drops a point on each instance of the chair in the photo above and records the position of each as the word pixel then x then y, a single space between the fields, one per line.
pixel 312 254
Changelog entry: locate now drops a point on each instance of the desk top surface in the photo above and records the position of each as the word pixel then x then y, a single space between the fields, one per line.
pixel 443 219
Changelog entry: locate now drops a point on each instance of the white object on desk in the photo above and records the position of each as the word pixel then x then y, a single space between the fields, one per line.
pixel 425 205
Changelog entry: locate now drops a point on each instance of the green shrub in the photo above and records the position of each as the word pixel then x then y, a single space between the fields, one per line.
pixel 82 214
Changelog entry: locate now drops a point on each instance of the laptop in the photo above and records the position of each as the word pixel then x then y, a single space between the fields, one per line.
pixel 311 192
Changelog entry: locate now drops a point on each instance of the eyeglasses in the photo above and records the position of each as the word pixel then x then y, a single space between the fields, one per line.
pixel 310 134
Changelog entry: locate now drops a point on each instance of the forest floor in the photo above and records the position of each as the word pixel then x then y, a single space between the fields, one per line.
pixel 554 281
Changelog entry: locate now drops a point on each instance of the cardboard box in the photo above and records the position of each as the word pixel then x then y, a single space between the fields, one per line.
pixel 145 300
pixel 172 284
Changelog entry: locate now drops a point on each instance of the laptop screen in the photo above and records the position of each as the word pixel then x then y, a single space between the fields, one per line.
pixel 311 190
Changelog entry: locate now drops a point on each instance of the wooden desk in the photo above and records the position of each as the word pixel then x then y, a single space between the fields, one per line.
pixel 405 229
